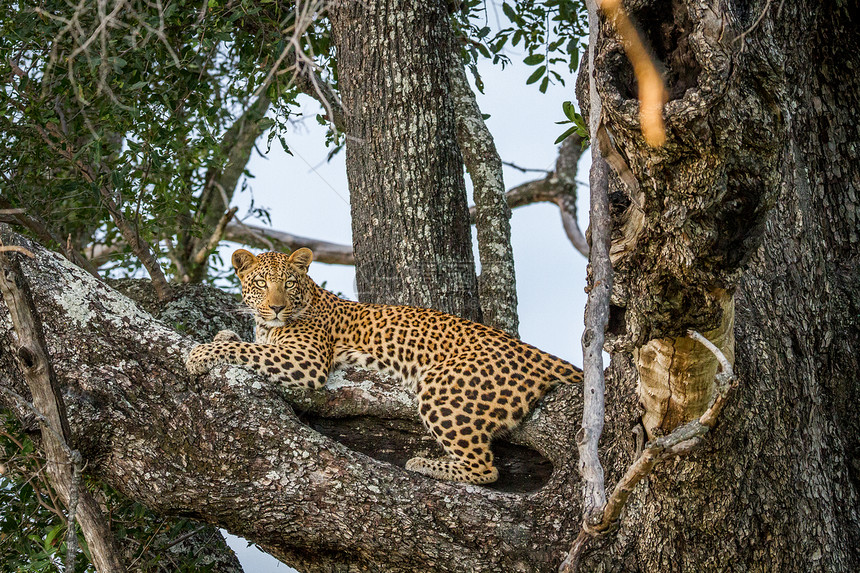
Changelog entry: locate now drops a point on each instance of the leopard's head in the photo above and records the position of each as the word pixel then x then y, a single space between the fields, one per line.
pixel 275 285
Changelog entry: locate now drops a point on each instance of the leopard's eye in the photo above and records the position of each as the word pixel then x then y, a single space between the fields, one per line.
pixel 260 283
pixel 290 283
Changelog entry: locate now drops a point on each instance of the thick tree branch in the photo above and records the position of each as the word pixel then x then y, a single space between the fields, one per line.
pixel 227 449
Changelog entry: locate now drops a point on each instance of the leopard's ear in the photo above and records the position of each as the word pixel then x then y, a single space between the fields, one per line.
pixel 302 258
pixel 243 261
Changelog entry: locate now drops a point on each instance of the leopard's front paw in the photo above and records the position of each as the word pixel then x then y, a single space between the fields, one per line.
pixel 199 361
pixel 226 336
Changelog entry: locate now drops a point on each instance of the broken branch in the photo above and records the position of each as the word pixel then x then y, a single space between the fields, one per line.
pixel 64 464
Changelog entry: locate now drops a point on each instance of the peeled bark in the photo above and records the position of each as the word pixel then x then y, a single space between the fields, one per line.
pixel 410 221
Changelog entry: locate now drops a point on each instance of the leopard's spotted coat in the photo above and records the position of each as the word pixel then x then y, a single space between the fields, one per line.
pixel 473 382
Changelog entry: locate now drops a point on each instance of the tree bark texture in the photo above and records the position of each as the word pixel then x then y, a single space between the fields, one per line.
pixel 410 220
pixel 228 449
pixel 62 465
pixel 751 205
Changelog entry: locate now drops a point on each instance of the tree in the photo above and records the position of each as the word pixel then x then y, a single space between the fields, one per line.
pixel 750 202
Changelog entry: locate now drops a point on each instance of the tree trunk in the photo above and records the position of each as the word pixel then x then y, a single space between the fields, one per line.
pixel 754 197
pixel 410 220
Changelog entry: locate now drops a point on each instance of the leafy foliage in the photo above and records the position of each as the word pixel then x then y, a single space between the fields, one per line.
pixel 550 31
pixel 578 126
pixel 138 106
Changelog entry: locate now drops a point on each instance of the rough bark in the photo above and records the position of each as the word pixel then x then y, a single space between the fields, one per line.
pixel 227 448
pixel 753 197
pixel 63 463
pixel 409 213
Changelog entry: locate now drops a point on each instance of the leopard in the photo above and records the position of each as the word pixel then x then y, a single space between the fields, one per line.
pixel 473 382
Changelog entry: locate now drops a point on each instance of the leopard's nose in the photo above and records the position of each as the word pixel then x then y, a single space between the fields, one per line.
pixel 277 309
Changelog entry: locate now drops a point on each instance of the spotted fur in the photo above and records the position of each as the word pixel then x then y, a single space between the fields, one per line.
pixel 473 382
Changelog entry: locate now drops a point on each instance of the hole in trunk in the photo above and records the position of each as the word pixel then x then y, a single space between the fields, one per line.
pixel 521 469
pixel 664 28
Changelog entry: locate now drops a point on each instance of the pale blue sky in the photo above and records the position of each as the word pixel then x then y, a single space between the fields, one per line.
pixel 309 197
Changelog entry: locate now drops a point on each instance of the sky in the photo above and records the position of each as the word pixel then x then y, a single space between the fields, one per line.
pixel 308 196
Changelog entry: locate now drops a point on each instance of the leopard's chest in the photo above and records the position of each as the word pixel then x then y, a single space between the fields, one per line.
pixel 262 334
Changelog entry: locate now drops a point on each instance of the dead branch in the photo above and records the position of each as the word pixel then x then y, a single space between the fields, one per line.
pixel 64 464
pixel 264 238
pixel 558 187
pixel 596 319
pixel 596 309
pixel 680 441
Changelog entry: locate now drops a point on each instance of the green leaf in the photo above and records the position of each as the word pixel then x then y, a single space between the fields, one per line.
pixel 544 84
pixel 533 59
pixel 49 539
pixel 565 135
pixel 569 111
pixel 509 12
pixel 536 75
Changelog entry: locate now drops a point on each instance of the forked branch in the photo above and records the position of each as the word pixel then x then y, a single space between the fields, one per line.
pixel 680 441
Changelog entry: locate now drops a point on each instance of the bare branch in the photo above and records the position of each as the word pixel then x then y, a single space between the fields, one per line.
pixel 64 464
pixel 264 238
pixel 596 319
pixel 216 236
pixel 559 187
pixel 597 307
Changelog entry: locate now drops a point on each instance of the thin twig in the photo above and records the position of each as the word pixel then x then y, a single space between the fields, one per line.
pixel 16 249
pixel 525 169
pixel 216 236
